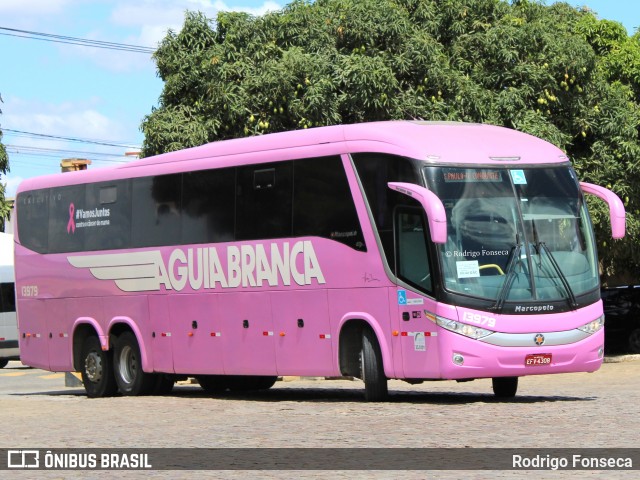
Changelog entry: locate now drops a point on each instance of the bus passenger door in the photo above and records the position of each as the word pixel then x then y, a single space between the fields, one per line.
pixel 247 333
pixel 417 321
pixel 301 322
pixel 196 334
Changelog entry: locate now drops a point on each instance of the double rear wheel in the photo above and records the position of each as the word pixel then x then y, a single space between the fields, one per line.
pixel 127 363
pixel 97 369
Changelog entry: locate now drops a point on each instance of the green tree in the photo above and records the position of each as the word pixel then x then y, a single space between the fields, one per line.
pixel 553 71
pixel 4 168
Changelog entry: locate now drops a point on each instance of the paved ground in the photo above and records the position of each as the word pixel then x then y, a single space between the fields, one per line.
pixel 571 410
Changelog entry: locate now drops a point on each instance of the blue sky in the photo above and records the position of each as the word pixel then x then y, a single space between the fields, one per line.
pixel 102 95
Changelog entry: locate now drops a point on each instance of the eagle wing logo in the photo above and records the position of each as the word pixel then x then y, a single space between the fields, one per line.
pixel 131 272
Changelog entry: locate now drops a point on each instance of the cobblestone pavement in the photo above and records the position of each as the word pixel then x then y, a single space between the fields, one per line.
pixel 570 411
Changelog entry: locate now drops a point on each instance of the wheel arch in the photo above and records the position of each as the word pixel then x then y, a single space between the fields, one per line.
pixel 119 325
pixel 350 343
pixel 85 327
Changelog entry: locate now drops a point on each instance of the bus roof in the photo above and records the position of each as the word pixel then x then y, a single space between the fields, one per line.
pixel 442 142
pixel 6 258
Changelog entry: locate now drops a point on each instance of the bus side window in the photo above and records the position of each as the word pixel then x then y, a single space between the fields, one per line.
pixel 33 219
pixel 412 248
pixel 264 201
pixel 376 170
pixel 66 233
pixel 208 205
pixel 113 225
pixel 156 210
pixel 323 203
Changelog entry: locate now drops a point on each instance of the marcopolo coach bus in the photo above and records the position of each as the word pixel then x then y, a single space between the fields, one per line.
pixel 390 250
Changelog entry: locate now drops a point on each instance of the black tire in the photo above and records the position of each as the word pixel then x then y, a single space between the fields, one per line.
pixel 505 387
pixel 163 384
pixel 97 369
pixel 248 383
pixel 213 384
pixel 127 367
pixel 372 369
pixel 4 362
pixel 634 341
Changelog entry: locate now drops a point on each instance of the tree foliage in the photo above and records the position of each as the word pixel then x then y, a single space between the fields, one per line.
pixel 553 71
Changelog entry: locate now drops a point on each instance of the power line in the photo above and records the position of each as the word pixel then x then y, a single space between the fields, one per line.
pixel 55 152
pixel 21 133
pixel 49 37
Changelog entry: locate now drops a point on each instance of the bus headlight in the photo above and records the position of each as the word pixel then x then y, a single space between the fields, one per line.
pixel 462 328
pixel 593 326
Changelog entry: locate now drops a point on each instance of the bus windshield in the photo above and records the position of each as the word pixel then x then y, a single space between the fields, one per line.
pixel 515 234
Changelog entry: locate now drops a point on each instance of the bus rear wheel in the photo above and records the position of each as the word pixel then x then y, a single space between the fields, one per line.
pixel 4 362
pixel 97 369
pixel 130 377
pixel 505 387
pixel 371 368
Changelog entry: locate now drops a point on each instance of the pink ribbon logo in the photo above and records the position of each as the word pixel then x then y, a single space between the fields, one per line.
pixel 71 226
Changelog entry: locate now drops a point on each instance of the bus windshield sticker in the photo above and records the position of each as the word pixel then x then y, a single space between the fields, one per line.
pixel 468 269
pixel 518 177
pixel 457 175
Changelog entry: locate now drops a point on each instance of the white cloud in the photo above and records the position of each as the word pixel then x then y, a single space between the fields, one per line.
pixel 134 22
pixel 32 7
pixel 69 119
pixel 33 155
pixel 260 10
pixel 157 17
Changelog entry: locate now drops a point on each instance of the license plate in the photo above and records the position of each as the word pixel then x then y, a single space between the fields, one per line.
pixel 537 359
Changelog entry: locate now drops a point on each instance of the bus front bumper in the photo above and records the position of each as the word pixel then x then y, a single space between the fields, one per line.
pixel 464 358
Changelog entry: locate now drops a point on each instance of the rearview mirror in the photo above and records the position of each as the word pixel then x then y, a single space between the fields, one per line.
pixel 431 204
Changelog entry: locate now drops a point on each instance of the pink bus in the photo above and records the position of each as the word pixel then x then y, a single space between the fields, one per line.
pixel 389 250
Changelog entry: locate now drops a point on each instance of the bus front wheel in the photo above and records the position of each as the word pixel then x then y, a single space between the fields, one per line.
pixel 371 367
pixel 97 369
pixel 130 377
pixel 505 387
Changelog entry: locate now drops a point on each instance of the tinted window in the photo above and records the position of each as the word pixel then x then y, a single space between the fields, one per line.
pixel 7 297
pixel 264 208
pixel 208 206
pixel 156 211
pixel 110 205
pixel 375 171
pixel 33 219
pixel 69 218
pixel 413 255
pixel 323 204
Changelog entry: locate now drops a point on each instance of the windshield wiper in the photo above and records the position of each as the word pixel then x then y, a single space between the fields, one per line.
pixel 565 283
pixel 509 278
